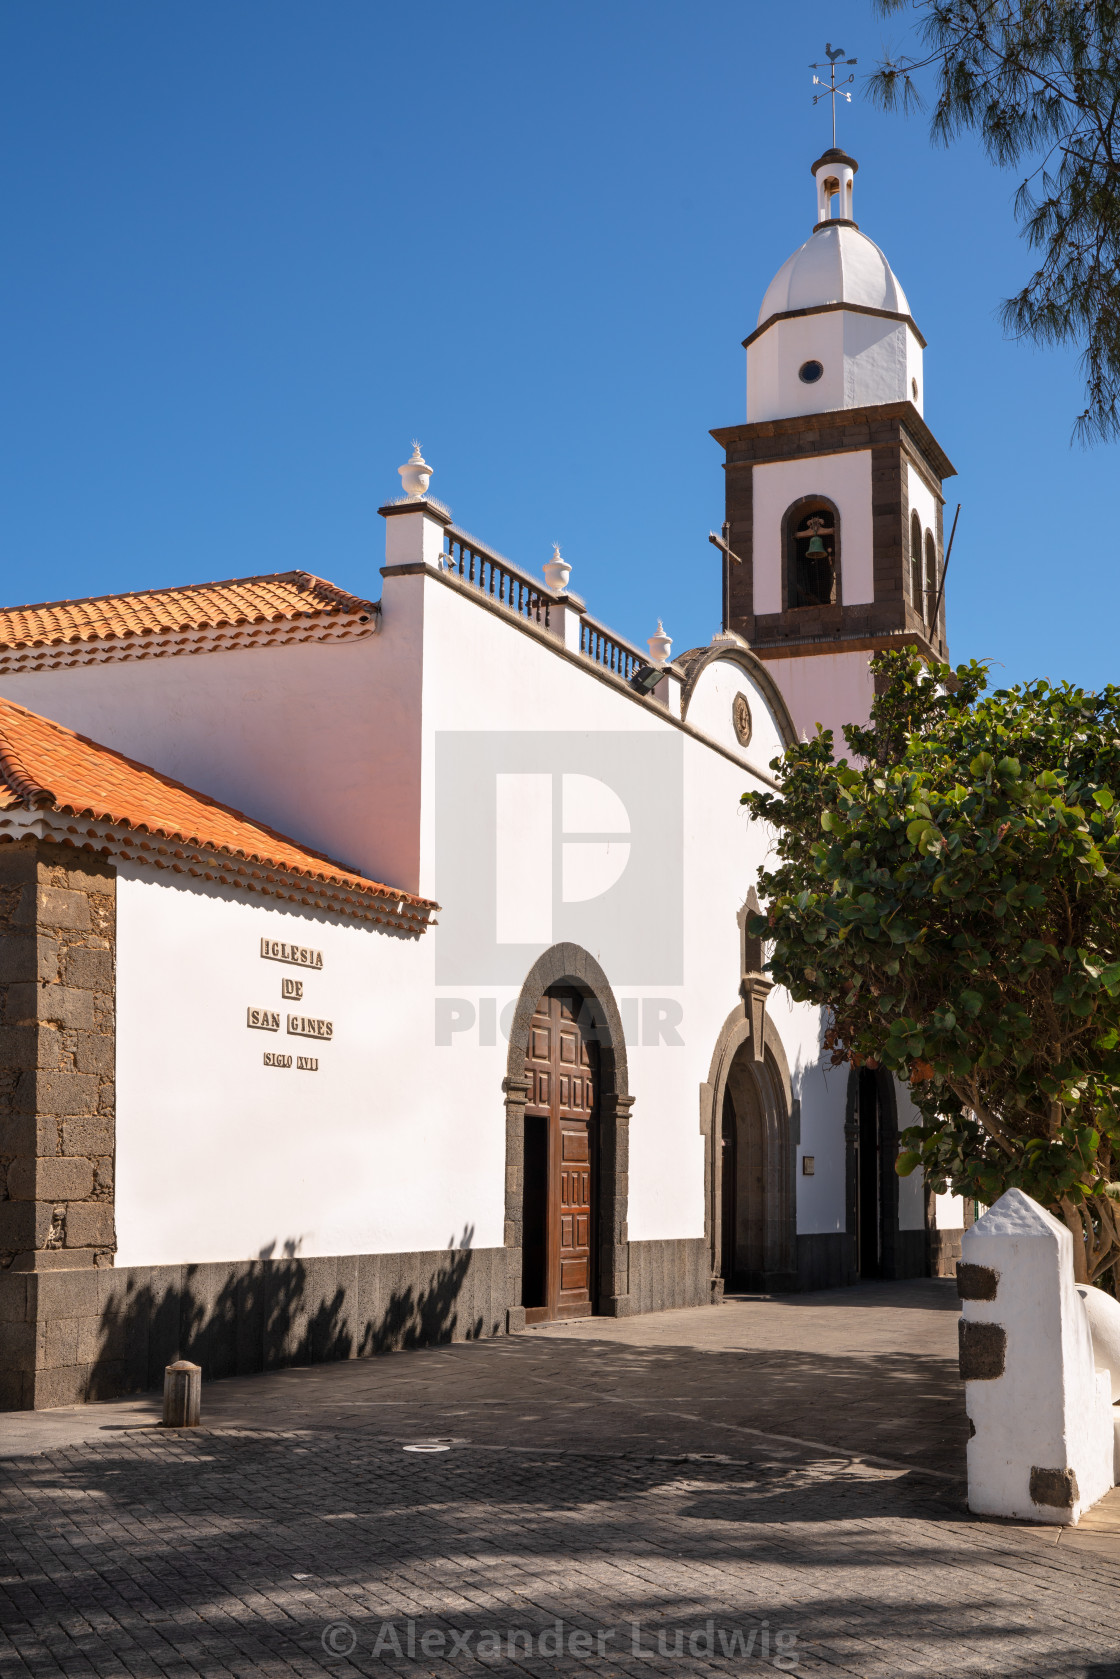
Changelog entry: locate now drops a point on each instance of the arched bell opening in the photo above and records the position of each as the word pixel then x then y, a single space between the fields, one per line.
pixel 931 578
pixel 811 553
pixel 917 590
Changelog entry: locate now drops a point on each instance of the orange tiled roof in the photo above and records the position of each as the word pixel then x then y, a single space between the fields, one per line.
pixel 195 606
pixel 44 766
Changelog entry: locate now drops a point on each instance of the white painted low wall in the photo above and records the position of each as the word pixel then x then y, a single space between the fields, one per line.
pixel 1041 1413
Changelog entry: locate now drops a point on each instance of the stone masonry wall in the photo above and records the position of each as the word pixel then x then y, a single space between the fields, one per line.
pixel 57 1114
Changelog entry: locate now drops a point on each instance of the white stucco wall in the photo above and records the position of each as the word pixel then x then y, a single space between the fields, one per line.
pixel 220 1157
pixel 846 480
pixel 911 1190
pixel 710 709
pixel 827 688
pixel 867 359
pixel 820 1090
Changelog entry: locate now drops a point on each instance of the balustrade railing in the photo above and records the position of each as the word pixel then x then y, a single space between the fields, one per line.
pixel 500 579
pixel 521 594
pixel 605 648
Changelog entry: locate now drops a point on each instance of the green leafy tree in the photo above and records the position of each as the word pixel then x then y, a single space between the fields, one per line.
pixel 952 895
pixel 1039 81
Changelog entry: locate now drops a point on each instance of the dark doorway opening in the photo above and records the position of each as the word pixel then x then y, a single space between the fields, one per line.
pixel 728 1198
pixel 748 1187
pixel 869 1179
pixel 534 1253
pixel 561 1159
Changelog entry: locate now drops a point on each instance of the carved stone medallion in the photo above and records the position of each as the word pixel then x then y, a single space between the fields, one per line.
pixel 741 718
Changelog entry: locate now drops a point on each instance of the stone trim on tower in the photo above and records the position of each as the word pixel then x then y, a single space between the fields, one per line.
pixel 895 437
pixel 831 308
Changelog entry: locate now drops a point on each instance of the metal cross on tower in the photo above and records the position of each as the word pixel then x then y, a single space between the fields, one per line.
pixel 832 89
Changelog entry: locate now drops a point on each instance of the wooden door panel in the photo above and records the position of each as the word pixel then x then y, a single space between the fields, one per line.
pixel 561 1067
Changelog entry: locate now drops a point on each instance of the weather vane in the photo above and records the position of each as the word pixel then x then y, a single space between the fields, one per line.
pixel 832 89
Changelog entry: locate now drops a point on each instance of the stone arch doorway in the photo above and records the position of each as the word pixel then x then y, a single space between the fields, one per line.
pixel 567 1144
pixel 751 1207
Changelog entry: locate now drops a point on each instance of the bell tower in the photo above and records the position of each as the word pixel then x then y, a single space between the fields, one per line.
pixel 834 484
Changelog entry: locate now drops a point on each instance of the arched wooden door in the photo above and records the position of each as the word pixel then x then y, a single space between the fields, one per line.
pixel 561 1162
pixel 757 1216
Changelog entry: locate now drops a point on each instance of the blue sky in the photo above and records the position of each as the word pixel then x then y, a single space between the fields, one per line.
pixel 252 250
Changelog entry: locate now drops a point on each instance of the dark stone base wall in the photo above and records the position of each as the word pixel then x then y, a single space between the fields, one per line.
pixel 72 1335
pixel 829 1261
pixel 944 1251
pixel 826 1261
pixel 670 1273
pixel 67 1336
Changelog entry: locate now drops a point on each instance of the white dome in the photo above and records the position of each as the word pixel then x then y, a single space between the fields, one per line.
pixel 835 265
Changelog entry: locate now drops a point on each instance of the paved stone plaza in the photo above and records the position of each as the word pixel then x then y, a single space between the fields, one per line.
pixel 766 1483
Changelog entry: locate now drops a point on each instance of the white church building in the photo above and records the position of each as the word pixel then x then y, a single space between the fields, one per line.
pixel 374 971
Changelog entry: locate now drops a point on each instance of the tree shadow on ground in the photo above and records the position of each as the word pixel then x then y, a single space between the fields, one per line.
pixel 857 1564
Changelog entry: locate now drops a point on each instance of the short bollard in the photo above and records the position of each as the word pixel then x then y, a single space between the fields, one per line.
pixel 182 1395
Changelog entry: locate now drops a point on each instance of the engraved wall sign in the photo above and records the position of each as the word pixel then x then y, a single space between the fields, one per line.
pixel 741 719
pixel 291 988
pixel 265 1020
pixel 306 1026
pixel 271 1059
pixel 307 1063
pixel 299 954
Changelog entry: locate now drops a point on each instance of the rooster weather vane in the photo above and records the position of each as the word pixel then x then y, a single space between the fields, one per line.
pixel 832 89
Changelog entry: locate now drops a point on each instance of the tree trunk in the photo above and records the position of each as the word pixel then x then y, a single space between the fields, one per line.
pixel 1076 1228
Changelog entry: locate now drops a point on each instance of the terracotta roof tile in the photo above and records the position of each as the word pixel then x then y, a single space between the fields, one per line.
pixel 196 606
pixel 44 766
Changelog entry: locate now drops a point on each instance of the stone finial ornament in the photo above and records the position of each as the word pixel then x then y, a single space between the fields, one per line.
pixel 659 645
pixel 557 571
pixel 415 474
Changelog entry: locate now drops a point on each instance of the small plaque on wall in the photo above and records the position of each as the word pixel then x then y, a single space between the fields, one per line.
pixel 265 1020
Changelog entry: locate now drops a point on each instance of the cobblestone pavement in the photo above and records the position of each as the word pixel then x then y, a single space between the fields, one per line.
pixel 763 1485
